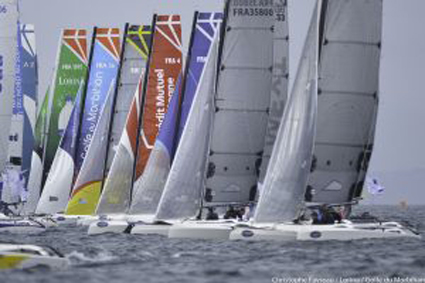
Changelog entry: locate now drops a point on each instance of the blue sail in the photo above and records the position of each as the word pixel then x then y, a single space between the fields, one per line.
pixel 103 72
pixel 206 27
pixel 29 89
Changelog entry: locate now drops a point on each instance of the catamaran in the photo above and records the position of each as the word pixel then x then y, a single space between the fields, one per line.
pixel 252 56
pixel 326 137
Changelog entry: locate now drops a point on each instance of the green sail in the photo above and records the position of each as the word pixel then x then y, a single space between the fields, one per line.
pixel 71 70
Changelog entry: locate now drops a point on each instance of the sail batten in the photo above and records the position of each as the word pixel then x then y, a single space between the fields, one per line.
pixel 347 101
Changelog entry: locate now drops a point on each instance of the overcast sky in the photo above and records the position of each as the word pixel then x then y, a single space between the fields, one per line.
pixel 400 138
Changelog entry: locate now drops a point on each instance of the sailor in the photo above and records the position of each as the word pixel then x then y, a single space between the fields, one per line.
pixel 231 213
pixel 211 215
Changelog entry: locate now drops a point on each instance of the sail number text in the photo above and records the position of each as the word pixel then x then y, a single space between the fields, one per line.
pixel 1 74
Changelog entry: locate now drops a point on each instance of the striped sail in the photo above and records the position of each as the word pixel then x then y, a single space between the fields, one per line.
pixel 70 70
pixel 36 172
pixel 279 89
pixel 350 36
pixel 8 36
pixel 287 175
pixel 58 184
pixel 242 102
pixel 164 70
pixel 119 176
pixel 182 193
pixel 99 97
pixel 30 94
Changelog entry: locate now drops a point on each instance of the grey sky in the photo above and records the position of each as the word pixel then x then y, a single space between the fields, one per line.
pixel 400 140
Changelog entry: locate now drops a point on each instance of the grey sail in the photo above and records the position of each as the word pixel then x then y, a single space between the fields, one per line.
pixel 8 37
pixel 348 98
pixel 287 175
pixel 241 103
pixel 182 193
pixel 279 89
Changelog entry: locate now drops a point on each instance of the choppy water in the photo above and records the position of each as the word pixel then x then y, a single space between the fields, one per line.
pixel 128 258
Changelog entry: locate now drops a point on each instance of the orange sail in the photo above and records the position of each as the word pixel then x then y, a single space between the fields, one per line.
pixel 165 67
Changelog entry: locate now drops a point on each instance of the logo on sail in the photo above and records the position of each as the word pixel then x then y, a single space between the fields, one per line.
pixel 3 9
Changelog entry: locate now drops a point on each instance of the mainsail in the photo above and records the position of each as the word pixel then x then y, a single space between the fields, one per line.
pixel 8 36
pixel 58 184
pixel 350 37
pixel 71 70
pixel 182 193
pixel 165 67
pixel 30 94
pixel 242 100
pixel 287 174
pixel 93 135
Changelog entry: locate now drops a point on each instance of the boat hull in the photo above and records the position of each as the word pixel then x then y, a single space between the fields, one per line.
pixel 22 226
pixel 208 230
pixel 150 229
pixel 107 226
pixel 340 232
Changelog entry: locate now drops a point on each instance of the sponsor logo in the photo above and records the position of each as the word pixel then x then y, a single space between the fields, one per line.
pixel 102 224
pixel 3 9
pixel 315 234
pixel 247 233
pixel 160 98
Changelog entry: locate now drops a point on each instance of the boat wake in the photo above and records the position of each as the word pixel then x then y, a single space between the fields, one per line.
pixel 80 259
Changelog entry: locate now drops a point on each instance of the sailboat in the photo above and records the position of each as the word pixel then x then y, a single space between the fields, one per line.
pixel 321 127
pixel 146 199
pixel 148 110
pixel 95 122
pixel 249 61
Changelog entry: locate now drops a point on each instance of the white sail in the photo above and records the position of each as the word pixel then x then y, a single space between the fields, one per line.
pixel 348 98
pixel 287 175
pixel 279 89
pixel 8 36
pixel 182 192
pixel 61 175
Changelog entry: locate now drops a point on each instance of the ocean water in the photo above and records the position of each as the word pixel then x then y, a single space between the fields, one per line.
pixel 131 258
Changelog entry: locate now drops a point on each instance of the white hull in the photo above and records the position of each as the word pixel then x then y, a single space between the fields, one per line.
pixel 208 230
pixel 340 232
pixel 150 229
pixel 63 219
pixel 21 226
pixel 28 256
